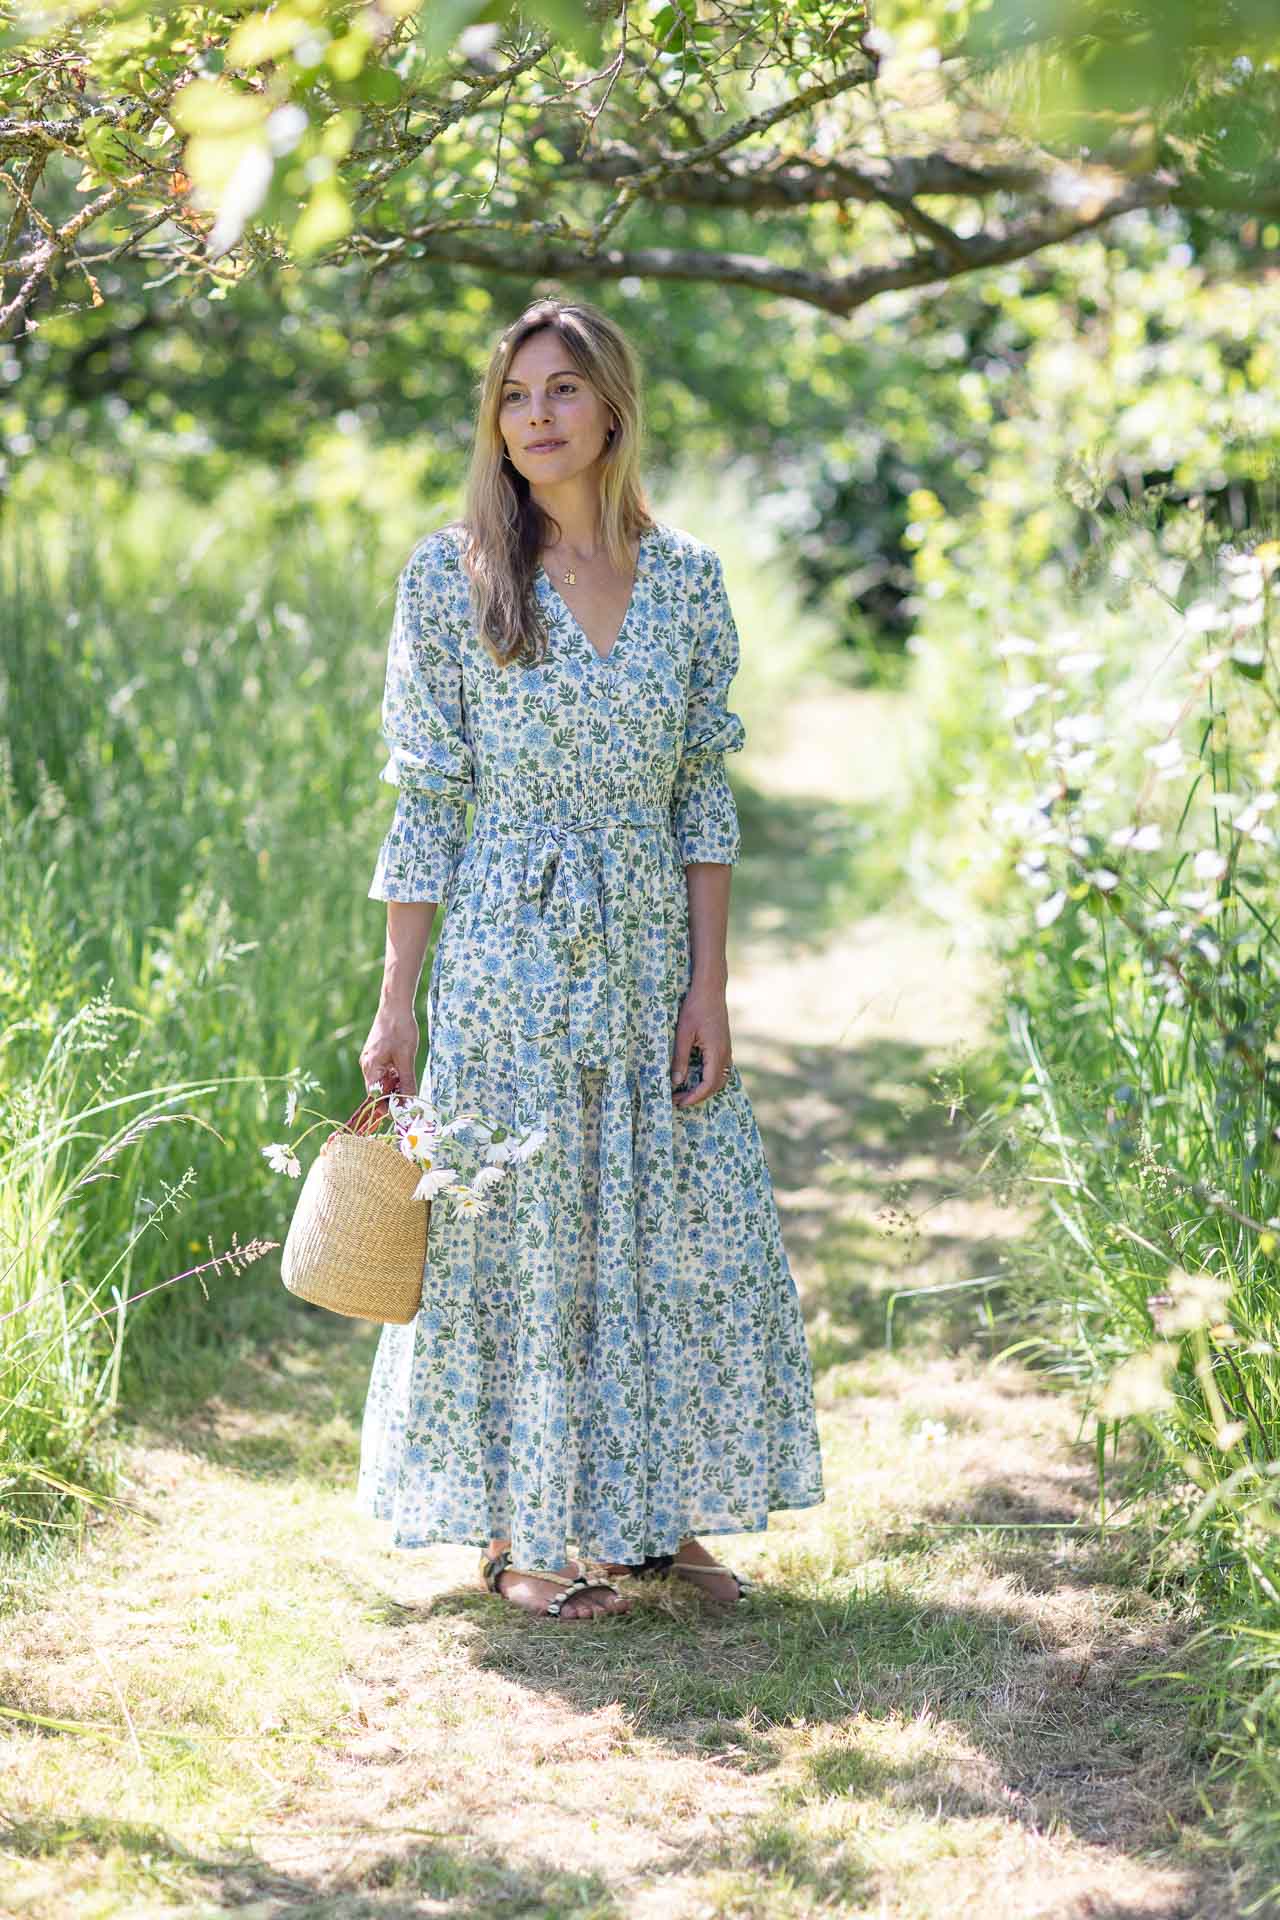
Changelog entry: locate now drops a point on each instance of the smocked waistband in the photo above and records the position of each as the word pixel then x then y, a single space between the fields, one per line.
pixel 524 807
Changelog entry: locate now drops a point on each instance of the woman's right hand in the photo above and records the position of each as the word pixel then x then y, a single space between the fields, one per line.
pixel 392 1042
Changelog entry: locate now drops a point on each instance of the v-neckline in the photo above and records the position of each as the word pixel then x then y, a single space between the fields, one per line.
pixel 604 658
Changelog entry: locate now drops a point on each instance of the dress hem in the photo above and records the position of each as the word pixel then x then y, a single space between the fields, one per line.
pixel 417 1542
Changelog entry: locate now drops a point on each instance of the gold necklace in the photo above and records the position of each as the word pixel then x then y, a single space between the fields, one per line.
pixel 570 578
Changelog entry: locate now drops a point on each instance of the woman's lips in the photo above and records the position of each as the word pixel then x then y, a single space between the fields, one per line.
pixel 544 446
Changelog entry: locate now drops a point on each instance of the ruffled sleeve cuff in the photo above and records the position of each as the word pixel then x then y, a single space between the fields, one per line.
pixel 704 815
pixel 417 859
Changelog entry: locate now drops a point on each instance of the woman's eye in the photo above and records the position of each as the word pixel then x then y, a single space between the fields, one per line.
pixel 562 386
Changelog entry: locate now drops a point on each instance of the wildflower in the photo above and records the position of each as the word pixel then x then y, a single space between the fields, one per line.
pixel 1168 757
pixel 1202 616
pixel 1229 1433
pixel 290 1106
pixel 1250 821
pixel 1076 765
pixel 1084 728
pixel 1209 864
pixel 1138 839
pixel 467 1201
pixel 1103 878
pixel 1048 910
pixel 931 1433
pixel 410 1109
pixel 434 1182
pixel 488 1177
pixel 1189 1301
pixel 416 1143
pixel 1020 699
pixel 1140 1384
pixel 282 1159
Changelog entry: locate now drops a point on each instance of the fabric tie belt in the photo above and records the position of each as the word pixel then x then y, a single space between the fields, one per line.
pixel 561 963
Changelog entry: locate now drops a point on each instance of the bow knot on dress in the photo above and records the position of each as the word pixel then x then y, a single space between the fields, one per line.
pixel 565 972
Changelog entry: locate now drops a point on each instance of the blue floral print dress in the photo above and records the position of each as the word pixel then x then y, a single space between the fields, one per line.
pixel 612 1355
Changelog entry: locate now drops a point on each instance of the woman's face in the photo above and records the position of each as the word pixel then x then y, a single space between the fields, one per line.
pixel 545 398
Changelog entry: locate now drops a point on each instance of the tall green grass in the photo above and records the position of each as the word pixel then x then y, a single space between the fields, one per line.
pixel 1113 825
pixel 188 801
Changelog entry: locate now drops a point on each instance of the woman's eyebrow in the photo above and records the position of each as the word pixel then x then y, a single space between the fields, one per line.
pixel 511 381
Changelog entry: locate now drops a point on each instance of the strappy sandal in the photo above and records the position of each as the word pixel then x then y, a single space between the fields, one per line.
pixel 657 1566
pixel 654 1566
pixel 494 1568
pixel 740 1580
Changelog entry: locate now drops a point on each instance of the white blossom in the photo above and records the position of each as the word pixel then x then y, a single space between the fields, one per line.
pixel 282 1159
pixel 1138 839
pixel 1018 700
pixel 434 1182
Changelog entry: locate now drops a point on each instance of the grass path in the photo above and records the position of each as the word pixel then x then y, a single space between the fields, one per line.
pixel 932 1709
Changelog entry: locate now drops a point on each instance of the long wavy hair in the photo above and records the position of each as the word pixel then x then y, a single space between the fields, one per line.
pixel 506 528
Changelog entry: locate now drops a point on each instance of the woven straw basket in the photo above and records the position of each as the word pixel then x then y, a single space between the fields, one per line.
pixel 357 1242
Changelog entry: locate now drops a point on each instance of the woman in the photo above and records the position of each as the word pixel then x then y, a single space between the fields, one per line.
pixel 613 1354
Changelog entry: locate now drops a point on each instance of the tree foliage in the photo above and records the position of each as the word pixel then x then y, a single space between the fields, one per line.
pixel 801 150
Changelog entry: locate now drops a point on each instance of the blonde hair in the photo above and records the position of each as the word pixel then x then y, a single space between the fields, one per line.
pixel 506 528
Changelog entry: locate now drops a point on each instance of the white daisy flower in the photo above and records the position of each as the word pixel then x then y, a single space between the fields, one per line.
pixel 434 1182
pixel 282 1159
pixel 467 1201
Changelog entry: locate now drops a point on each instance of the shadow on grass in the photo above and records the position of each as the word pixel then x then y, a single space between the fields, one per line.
pixel 477 1882
pixel 1044 1726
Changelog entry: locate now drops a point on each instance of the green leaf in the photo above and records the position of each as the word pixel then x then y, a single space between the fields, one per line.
pixel 569 21
pixel 378 87
pixel 325 218
pixel 441 24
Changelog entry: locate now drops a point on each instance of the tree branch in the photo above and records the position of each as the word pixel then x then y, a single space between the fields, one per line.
pixel 538 257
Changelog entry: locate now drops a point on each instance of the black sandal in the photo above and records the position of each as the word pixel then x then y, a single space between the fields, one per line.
pixel 654 1566
pixel 494 1568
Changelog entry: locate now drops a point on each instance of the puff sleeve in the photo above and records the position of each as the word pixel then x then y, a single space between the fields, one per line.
pixel 423 725
pixel 704 815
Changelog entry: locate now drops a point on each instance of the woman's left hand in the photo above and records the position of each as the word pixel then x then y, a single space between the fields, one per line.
pixel 703 1021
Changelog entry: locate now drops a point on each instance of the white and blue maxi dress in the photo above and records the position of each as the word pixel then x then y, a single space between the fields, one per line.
pixel 612 1357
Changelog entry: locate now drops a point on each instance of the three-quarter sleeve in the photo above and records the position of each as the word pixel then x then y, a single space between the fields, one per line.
pixel 704 815
pixel 423 725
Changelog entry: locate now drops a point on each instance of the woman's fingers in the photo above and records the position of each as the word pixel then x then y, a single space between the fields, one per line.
pixel 715 1063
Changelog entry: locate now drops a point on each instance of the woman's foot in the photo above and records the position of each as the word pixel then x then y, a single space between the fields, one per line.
pixel 529 1591
pixel 718 1583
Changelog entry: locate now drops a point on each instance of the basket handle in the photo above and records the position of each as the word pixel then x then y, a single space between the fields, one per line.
pixel 367 1115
